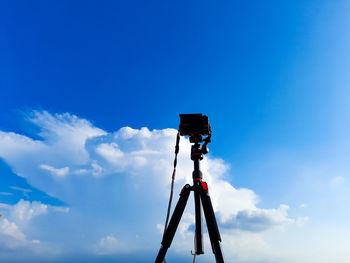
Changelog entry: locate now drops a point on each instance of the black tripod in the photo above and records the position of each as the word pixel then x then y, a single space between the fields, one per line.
pixel 201 196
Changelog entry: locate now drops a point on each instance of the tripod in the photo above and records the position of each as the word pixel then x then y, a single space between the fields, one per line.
pixel 201 199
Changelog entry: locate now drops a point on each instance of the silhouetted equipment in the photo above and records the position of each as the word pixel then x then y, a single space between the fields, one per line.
pixel 196 126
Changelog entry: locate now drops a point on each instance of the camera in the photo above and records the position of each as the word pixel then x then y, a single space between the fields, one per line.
pixel 194 124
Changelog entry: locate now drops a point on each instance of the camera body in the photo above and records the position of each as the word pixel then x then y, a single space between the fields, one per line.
pixel 194 124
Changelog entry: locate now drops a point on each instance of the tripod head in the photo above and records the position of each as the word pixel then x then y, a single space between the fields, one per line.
pixel 197 139
pixel 197 152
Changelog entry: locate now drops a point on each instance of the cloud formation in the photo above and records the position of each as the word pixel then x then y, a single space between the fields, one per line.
pixel 116 186
pixel 16 232
pixel 110 245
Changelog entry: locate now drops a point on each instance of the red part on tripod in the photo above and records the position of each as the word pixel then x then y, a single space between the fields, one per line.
pixel 205 186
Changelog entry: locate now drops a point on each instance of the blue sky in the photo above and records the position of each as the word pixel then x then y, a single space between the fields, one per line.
pixel 273 77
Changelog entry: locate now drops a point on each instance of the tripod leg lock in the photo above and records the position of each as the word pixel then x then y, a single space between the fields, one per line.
pixel 205 186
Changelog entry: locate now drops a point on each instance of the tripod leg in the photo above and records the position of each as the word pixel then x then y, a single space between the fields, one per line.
pixel 198 213
pixel 213 229
pixel 173 224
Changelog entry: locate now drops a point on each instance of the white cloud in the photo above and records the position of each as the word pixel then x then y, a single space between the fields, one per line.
pixel 24 191
pixel 16 230
pixel 5 193
pixel 302 205
pixel 248 247
pixel 260 219
pixel 24 211
pixel 55 171
pixel 8 228
pixel 109 245
pixel 118 181
pixel 337 181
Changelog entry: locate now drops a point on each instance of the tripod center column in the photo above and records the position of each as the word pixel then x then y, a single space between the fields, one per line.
pixel 196 156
